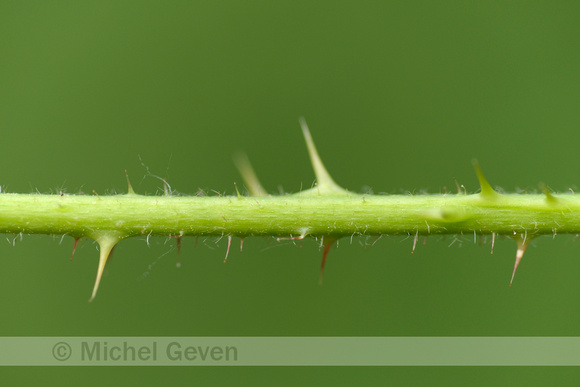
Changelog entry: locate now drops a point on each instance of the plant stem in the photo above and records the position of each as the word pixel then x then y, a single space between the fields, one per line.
pixel 326 211
pixel 324 215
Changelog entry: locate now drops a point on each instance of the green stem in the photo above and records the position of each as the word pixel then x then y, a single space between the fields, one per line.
pixel 326 211
pixel 339 216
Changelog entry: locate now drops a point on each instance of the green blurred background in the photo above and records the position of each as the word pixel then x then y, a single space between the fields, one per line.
pixel 399 96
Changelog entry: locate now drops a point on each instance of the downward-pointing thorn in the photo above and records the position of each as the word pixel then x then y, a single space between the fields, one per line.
pixel 74 248
pixel 228 249
pixel 241 245
pixel 523 243
pixel 107 241
pixel 178 263
pixel 327 244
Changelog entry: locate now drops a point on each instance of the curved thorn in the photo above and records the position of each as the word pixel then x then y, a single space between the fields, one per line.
pixel 248 175
pixel 326 184
pixel 486 189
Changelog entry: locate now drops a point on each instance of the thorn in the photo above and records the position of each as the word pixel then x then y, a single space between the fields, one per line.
pixel 178 263
pixel 326 184
pixel 248 175
pixel 107 241
pixel 523 243
pixel 228 250
pixel 196 238
pixel 241 245
pixel 415 241
pixel 130 188
pixel 327 243
pixel 486 189
pixel 74 247
pixel 492 241
pixel 238 191
pixel 551 199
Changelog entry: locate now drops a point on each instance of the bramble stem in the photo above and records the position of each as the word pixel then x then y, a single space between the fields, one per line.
pixel 344 215
pixel 326 211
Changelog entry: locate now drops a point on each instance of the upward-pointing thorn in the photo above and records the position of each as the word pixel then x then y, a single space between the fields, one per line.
pixel 549 197
pixel 249 176
pixel 107 241
pixel 523 243
pixel 486 189
pixel 237 190
pixel 326 184
pixel 129 187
